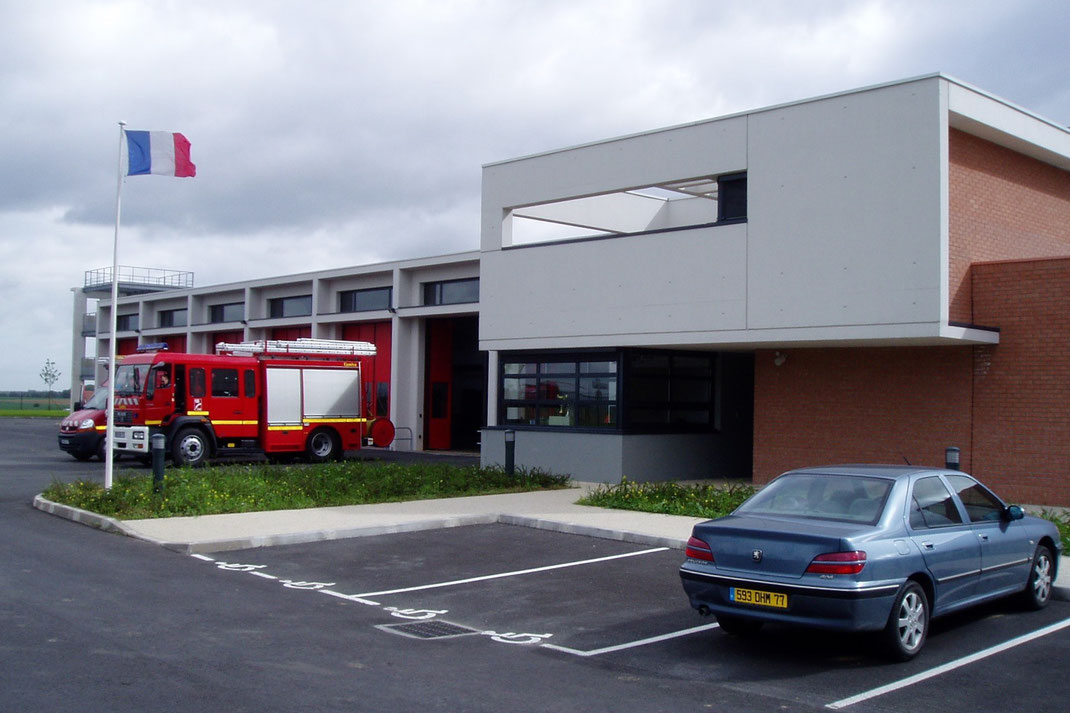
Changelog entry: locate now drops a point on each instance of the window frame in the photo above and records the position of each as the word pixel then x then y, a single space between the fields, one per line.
pixel 434 293
pixel 619 411
pixel 166 318
pixel 291 306
pixel 219 313
pixel 130 322
pixel 563 369
pixel 355 297
pixel 731 191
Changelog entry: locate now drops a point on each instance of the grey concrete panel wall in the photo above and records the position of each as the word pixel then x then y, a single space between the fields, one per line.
pixel 845 210
pixel 589 458
pixel 604 458
pixel 679 282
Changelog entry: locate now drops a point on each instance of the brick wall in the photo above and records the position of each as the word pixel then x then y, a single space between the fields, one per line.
pixel 1002 206
pixel 1021 428
pixel 860 405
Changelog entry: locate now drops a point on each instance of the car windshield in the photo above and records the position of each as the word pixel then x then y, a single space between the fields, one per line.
pixel 130 379
pixel 98 401
pixel 850 498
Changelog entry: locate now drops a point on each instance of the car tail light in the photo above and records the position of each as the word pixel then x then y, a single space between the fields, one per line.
pixel 838 563
pixel 698 550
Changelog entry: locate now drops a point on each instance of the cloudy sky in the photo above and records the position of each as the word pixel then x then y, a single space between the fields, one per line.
pixel 340 132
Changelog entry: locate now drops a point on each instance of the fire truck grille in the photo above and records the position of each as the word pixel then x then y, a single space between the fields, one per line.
pixel 124 416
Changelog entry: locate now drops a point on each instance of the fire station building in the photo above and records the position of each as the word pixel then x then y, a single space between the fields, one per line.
pixel 871 276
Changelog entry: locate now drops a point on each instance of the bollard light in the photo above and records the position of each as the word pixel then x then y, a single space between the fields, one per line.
pixel 159 446
pixel 510 451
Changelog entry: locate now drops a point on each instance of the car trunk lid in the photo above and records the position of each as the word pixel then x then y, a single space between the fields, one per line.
pixel 772 546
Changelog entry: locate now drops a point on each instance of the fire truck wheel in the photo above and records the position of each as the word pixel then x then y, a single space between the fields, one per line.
pixel 190 447
pixel 323 445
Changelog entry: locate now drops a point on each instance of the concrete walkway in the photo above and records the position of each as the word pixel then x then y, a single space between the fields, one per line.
pixel 550 510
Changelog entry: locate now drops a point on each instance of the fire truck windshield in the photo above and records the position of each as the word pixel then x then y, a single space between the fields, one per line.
pixel 130 379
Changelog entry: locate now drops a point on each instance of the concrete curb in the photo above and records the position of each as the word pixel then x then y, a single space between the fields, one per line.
pixel 300 538
pixel 592 531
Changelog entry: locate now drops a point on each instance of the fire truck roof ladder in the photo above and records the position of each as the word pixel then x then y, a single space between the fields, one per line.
pixel 296 346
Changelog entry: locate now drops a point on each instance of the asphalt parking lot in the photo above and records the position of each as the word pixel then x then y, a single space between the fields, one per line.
pixel 619 606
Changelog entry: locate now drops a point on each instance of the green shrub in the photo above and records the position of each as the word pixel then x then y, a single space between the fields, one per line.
pixel 702 500
pixel 1062 521
pixel 254 487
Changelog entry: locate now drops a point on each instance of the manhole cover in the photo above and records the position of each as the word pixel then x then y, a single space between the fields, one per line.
pixel 431 629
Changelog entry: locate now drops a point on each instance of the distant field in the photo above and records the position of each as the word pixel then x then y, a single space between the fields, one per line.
pixel 26 406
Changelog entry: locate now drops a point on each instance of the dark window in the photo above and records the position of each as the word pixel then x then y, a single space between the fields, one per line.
pixel 250 384
pixel 382 399
pixel 173 318
pixel 980 503
pixel 669 391
pixel 732 197
pixel 451 292
pixel 932 505
pixel 127 323
pixel 364 300
pixel 231 312
pixel 290 306
pixel 224 382
pixel 197 382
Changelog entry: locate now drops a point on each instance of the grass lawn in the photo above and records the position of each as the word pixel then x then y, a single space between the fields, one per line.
pixel 254 487
pixel 55 413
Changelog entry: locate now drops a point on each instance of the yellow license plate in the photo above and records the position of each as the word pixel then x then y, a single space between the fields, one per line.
pixel 758 598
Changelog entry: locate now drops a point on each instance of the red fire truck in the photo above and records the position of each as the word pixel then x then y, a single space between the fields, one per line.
pixel 279 398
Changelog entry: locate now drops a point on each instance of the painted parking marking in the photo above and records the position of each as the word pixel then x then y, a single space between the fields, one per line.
pixel 949 666
pixel 521 638
pixel 515 573
pixel 349 597
pixel 632 644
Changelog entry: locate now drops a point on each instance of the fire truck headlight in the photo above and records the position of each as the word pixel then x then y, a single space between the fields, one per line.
pixel 138 435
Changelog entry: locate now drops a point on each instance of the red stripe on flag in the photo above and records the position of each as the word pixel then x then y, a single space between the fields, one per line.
pixel 184 168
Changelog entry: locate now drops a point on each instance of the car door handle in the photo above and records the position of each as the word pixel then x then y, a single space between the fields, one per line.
pixel 984 538
pixel 928 545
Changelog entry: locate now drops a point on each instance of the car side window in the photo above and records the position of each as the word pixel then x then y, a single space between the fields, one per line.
pixel 932 505
pixel 981 504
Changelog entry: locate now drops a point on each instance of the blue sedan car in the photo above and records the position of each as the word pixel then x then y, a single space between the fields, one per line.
pixel 867 548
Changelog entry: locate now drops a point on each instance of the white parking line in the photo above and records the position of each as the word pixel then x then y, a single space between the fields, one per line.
pixel 510 574
pixel 632 644
pixel 950 666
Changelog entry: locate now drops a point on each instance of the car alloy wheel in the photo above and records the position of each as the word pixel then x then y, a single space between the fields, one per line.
pixel 908 623
pixel 1037 592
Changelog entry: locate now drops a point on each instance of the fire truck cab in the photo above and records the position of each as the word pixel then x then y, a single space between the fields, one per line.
pixel 278 398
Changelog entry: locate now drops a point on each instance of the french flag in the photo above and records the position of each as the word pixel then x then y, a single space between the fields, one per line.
pixel 160 153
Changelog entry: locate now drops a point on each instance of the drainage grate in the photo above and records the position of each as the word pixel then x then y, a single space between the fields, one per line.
pixel 431 629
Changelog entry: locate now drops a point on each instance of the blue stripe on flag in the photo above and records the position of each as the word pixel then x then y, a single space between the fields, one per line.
pixel 139 152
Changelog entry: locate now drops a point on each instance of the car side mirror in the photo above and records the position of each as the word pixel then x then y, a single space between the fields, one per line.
pixel 1013 512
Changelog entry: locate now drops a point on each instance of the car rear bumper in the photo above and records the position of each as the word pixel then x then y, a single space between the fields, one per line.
pixel 864 608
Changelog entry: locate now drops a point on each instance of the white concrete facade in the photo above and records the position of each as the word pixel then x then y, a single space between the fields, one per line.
pixel 845 238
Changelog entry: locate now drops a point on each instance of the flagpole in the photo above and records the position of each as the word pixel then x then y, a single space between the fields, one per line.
pixel 109 459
